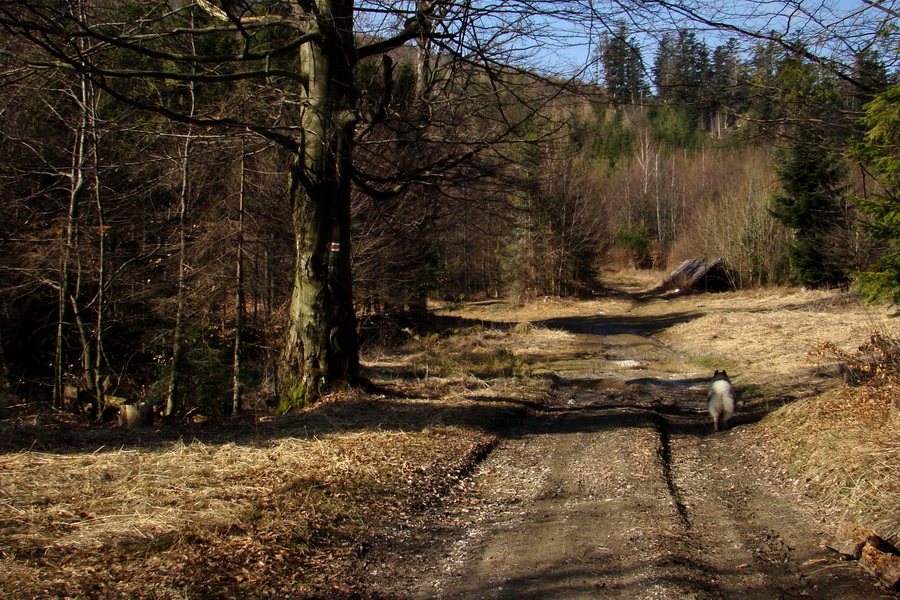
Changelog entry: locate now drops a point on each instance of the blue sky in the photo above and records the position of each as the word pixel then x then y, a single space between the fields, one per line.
pixel 828 26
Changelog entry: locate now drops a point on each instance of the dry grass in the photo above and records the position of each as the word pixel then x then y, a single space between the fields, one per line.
pixel 791 347
pixel 844 445
pixel 484 343
pixel 769 336
pixel 845 442
pixel 531 312
pixel 795 347
pixel 278 508
pixel 270 515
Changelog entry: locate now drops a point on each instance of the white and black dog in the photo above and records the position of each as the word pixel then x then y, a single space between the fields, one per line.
pixel 721 399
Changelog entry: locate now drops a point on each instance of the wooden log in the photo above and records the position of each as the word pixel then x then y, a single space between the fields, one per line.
pixel 878 557
pixel 885 566
pixel 850 540
pixel 697 273
pixel 135 415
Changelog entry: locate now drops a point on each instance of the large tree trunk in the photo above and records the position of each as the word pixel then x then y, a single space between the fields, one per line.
pixel 321 347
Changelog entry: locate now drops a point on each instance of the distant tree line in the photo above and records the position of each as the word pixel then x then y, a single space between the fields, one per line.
pixel 767 96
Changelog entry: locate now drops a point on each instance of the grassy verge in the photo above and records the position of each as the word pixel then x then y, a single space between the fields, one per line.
pixel 790 350
pixel 844 443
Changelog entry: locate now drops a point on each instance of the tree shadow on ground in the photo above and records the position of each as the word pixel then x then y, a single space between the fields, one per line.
pixel 678 406
pixel 583 580
pixel 349 415
pixel 621 324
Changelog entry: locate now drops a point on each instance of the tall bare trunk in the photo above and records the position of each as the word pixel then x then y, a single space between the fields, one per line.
pixel 424 67
pixel 3 370
pixel 87 354
pixel 239 297
pixel 99 388
pixel 95 371
pixel 77 184
pixel 177 341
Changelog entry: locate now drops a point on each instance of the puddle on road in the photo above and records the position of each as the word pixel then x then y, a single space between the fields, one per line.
pixel 627 361
pixel 585 391
pixel 601 383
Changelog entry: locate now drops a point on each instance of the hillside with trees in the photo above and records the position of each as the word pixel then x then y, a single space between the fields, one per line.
pixel 208 206
pixel 371 300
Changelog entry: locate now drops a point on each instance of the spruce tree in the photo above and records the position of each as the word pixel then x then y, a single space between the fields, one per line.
pixel 623 68
pixel 682 69
pixel 880 150
pixel 726 90
pixel 811 179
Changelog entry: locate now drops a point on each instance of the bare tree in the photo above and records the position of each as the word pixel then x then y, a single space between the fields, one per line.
pixel 300 57
pixel 183 199
pixel 239 284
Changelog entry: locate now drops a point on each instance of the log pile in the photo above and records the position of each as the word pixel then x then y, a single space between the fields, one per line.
pixel 878 557
pixel 699 274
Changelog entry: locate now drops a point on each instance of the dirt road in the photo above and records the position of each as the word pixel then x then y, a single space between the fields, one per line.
pixel 618 488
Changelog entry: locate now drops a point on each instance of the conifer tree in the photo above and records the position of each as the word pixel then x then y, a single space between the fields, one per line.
pixel 682 69
pixel 623 68
pixel 880 150
pixel 811 179
pixel 726 93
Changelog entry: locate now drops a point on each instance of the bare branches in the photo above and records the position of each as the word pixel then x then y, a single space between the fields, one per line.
pixel 881 6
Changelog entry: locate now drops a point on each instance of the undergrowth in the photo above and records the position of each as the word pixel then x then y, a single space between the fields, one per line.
pixel 875 363
pixel 280 507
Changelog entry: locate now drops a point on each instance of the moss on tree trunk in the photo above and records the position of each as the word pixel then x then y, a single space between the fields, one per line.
pixel 321 347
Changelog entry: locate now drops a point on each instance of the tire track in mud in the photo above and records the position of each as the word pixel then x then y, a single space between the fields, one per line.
pixel 571 517
pixel 619 491
pixel 665 459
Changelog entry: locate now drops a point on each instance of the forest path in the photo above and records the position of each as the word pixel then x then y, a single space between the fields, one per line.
pixel 619 489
